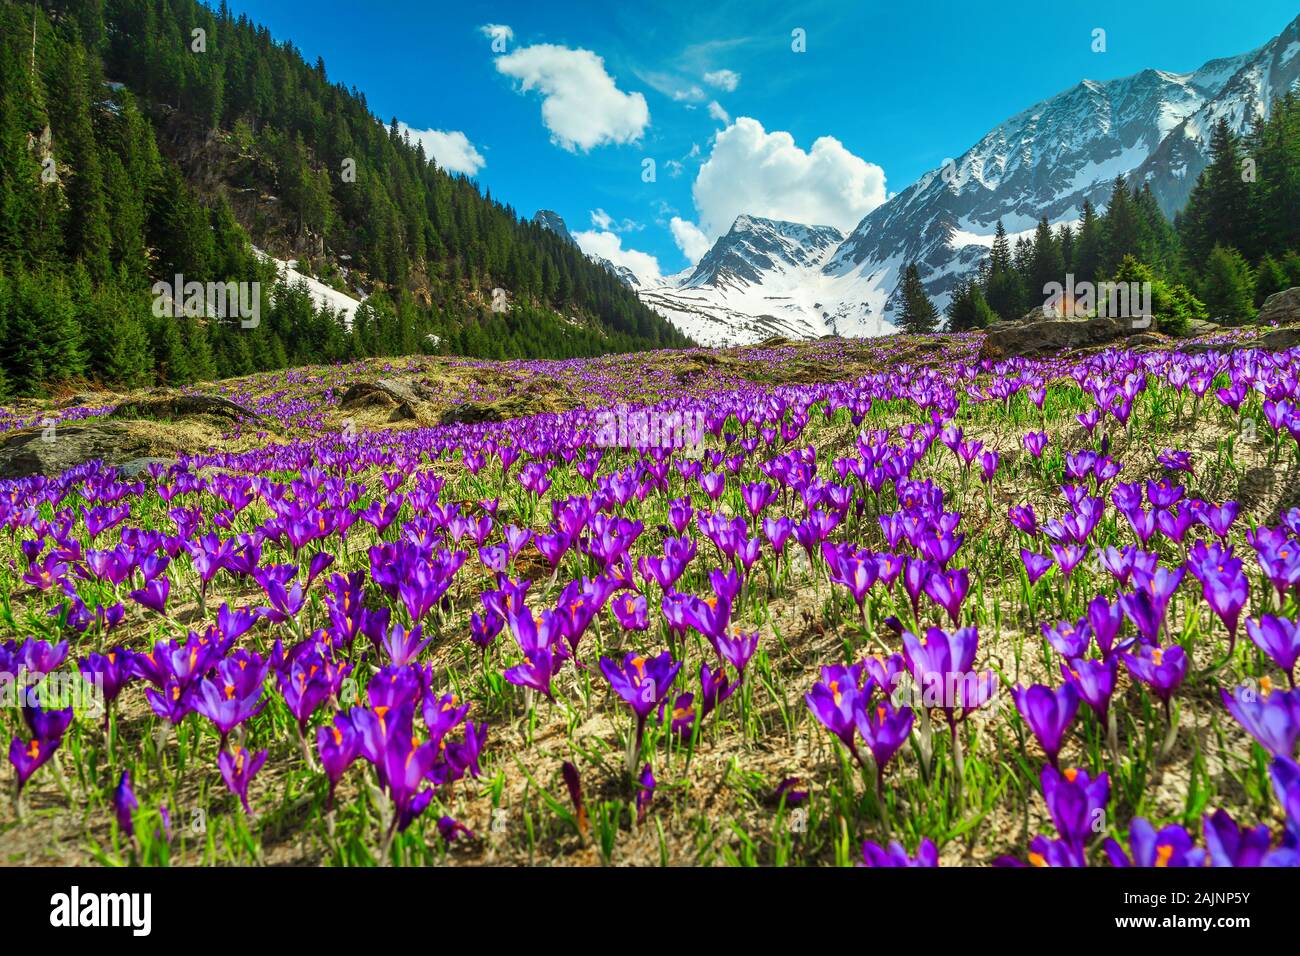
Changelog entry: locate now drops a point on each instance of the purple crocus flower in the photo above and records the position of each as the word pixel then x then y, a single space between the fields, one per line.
pixel 573 783
pixel 451 829
pixel 834 701
pixel 645 792
pixel 873 854
pixel 915 573
pixel 238 768
pixel 709 616
pixel 534 632
pixel 1034 443
pixel 736 648
pixel 553 546
pixel 1145 615
pixel 125 804
pixel 641 682
pixel 884 729
pixel 1045 852
pixel 154 594
pixel 941 665
pixel 234 695
pixel 1094 680
pixel 1036 565
pixel 855 570
pixel 1069 556
pixel 536 671
pixel 1227 844
pixel 400 645
pixel 47 724
pixel 1161 669
pixel 1069 640
pixel 1279 639
pixel 484 628
pixel 108 672
pixel 1104 620
pixel 948 590
pixel 787 793
pixel 1271 716
pixel 30 756
pixel 713 483
pixel 778 531
pixel 338 745
pixel 757 496
pixel 1171 847
pixel 631 611
pixel 406 763
pixel 1048 713
pixel 285 602
pixel 1285 775
pixel 1226 592
pixel 1219 518
pixel 308 681
pixel 1023 517
pixel 38 658
pixel 1076 803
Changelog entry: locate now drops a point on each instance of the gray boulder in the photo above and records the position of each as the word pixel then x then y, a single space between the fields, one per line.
pixel 1281 307
pixel 170 405
pixel 1012 339
pixel 52 452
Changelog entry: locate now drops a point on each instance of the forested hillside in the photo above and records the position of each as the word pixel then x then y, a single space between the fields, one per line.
pixel 141 139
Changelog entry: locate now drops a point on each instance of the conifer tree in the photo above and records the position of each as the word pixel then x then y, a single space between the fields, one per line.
pixel 1217 210
pixel 1004 290
pixel 1046 263
pixel 1227 287
pixel 1088 245
pixel 918 314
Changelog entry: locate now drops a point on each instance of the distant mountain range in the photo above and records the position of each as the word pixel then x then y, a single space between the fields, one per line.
pixel 803 281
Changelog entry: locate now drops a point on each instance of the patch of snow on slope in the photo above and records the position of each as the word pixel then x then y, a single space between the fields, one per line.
pixel 322 296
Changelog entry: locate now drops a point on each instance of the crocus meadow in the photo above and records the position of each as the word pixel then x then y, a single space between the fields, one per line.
pixel 879 603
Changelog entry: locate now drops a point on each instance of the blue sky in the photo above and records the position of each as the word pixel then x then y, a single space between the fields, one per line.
pixel 577 96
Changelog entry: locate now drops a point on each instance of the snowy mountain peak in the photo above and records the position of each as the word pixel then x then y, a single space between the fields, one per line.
pixel 755 248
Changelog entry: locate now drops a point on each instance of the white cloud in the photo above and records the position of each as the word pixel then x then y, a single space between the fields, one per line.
pixel 451 148
pixel 723 79
pixel 609 245
pixel 767 174
pixel 607 223
pixel 718 113
pixel 581 104
pixel 693 243
pixel 497 31
pixel 672 85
